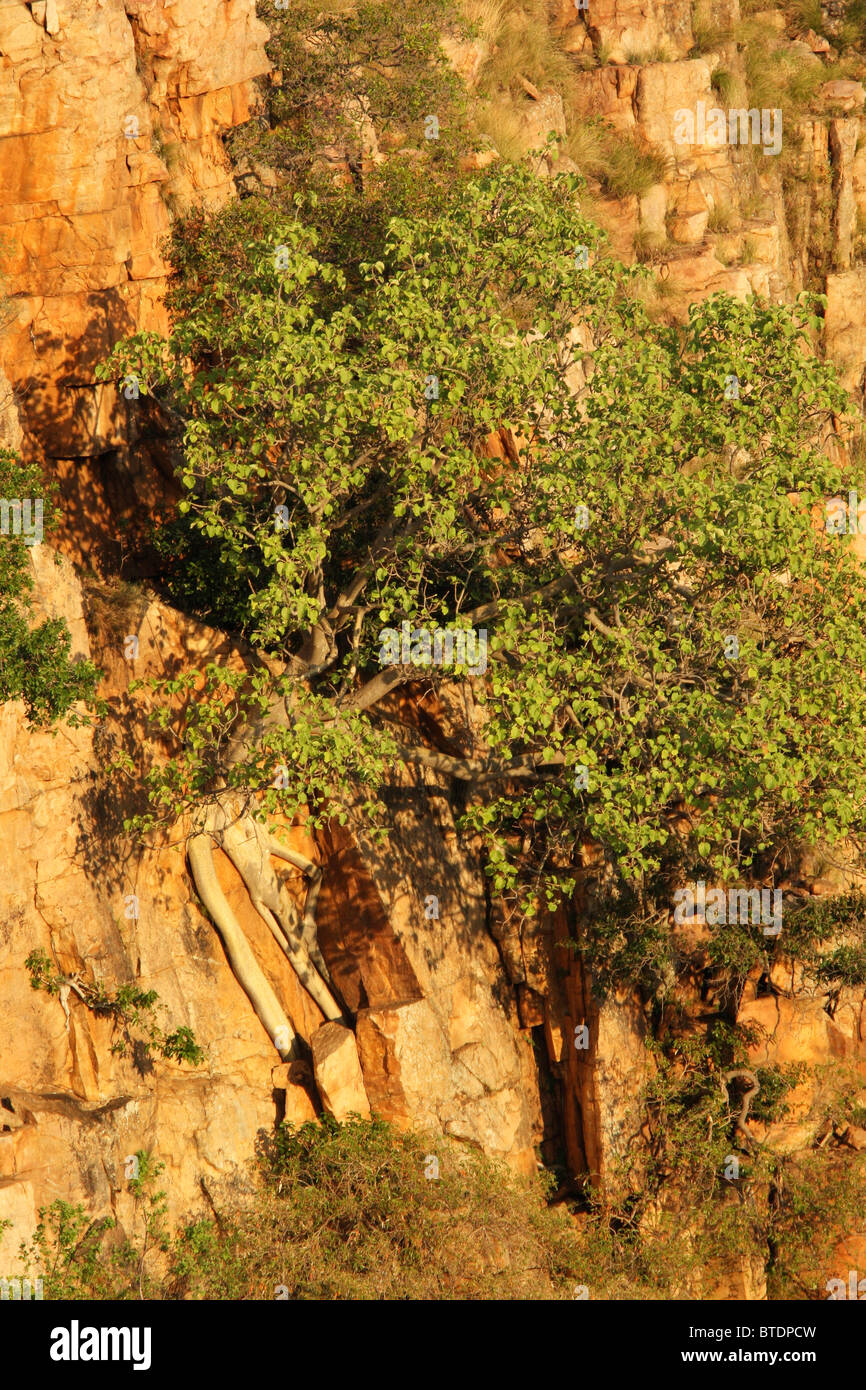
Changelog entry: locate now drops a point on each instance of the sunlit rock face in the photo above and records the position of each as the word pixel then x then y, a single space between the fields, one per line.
pixel 439 1041
pixel 112 118
pixel 110 115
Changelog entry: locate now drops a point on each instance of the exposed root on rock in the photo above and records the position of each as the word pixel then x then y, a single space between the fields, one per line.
pixel 743 1073
pixel 249 846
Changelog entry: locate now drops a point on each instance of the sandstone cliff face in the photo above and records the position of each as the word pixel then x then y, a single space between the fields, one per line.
pixel 112 115
pixel 721 220
pixel 96 102
pixel 73 1111
pixel 438 1034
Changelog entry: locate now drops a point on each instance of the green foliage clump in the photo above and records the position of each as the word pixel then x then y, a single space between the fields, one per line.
pixel 302 384
pixel 701 1204
pixel 35 665
pixel 828 936
pixel 81 1257
pixel 129 1008
pixel 358 1210
pixel 67 1253
pixel 347 74
pixel 814 1204
pixel 354 1210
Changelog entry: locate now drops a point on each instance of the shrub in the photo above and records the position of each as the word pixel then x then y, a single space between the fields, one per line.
pixel 35 665
pixel 358 1210
pixel 816 1200
pixel 632 169
pixel 621 165
pixel 721 218
pixel 374 63
pixel 723 83
pixel 130 1009
pixel 354 1210
pixel 83 1257
pixel 527 47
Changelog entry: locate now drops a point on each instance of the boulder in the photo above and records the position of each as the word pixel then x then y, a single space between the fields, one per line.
pixel 338 1072
pixel 689 222
pixel 845 324
pixel 848 95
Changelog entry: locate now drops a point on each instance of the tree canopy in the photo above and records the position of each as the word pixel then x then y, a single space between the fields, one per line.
pixel 675 644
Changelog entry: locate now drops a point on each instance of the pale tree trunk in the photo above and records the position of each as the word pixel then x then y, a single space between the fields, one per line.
pixel 250 846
